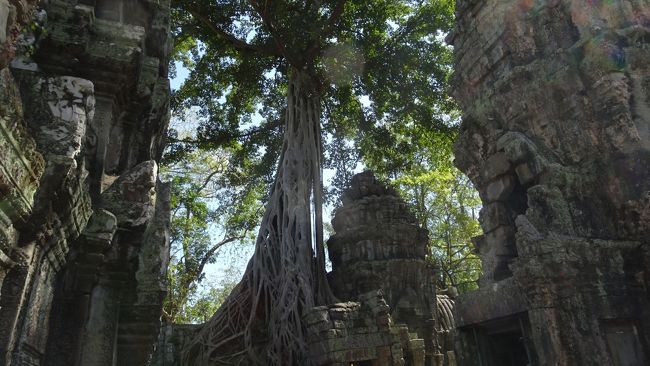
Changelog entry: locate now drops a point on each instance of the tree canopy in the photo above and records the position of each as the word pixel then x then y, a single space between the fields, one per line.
pixel 304 85
pixel 376 63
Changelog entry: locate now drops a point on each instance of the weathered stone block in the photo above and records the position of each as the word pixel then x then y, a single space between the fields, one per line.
pixel 132 196
pixel 548 209
pixel 496 165
pixel 317 315
pixel 517 147
pixel 494 215
pixel 501 241
pixel 5 19
pixel 500 188
pixel 529 171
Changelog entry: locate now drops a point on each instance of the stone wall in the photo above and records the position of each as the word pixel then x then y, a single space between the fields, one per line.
pixel 556 138
pixel 357 332
pixel 83 218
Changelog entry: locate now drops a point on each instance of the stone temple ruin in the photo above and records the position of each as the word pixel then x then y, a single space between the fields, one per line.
pixel 378 245
pixel 390 313
pixel 555 136
pixel 83 219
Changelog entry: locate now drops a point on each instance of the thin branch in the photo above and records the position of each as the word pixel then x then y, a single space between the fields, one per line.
pixel 167 316
pixel 235 42
pixel 210 253
pixel 266 20
pixel 315 48
pixel 209 178
pixel 229 136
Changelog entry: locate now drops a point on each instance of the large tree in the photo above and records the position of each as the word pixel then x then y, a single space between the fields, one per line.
pixel 309 69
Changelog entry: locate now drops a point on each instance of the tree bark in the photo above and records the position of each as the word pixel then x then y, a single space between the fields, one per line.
pixel 261 321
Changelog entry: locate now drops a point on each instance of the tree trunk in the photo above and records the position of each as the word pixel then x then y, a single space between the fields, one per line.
pixel 261 321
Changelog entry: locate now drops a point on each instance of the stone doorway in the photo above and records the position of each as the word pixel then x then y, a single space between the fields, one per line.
pixel 504 342
pixel 623 342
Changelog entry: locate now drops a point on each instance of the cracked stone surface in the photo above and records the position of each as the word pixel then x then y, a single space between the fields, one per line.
pixel 555 137
pixel 84 224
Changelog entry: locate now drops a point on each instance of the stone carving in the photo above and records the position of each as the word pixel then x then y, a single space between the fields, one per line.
pixel 555 136
pixel 84 223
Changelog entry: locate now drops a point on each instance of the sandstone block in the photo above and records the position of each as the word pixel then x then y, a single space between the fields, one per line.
pixel 317 315
pixel 529 171
pixel 517 147
pixel 494 215
pixel 500 188
pixel 5 19
pixel 501 241
pixel 132 196
pixel 496 165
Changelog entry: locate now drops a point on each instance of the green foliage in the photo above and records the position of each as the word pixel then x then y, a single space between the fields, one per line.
pixel 212 208
pixel 377 63
pixel 443 200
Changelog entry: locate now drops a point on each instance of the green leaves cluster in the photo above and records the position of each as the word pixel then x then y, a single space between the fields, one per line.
pixel 212 209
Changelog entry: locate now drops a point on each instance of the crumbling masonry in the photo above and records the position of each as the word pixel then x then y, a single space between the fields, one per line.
pixel 556 137
pixel 83 218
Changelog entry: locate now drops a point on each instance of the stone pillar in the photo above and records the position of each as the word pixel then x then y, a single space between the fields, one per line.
pixel 35 318
pixel 100 334
pixel 101 131
pixel 14 298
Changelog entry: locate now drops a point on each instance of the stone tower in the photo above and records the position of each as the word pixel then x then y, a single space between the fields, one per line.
pixel 556 138
pixel 379 245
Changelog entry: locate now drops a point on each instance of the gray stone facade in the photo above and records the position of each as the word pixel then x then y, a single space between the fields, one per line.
pixel 556 138
pixel 84 220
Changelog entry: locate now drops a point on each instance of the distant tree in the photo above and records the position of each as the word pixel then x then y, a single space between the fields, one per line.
pixel 209 212
pixel 310 69
pixel 449 207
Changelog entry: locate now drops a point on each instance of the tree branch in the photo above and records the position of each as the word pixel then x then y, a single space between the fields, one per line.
pixel 315 48
pixel 210 253
pixel 235 42
pixel 266 20
pixel 229 136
